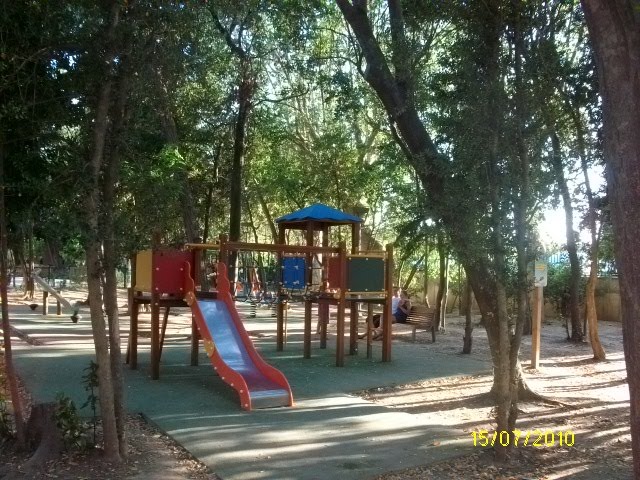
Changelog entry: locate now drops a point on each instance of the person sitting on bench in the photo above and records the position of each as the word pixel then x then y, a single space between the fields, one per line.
pixel 400 306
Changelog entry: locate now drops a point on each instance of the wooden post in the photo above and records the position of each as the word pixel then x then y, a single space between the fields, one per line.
pixel 308 305
pixel 132 306
pixel 224 253
pixel 165 321
pixel 155 312
pixel 369 329
pixel 324 309
pixel 538 300
pixel 58 308
pixel 307 328
pixel 195 342
pixel 341 304
pixel 196 271
pixel 133 335
pixel 133 281
pixel 280 305
pixel 353 306
pixel 386 318
pixel 45 302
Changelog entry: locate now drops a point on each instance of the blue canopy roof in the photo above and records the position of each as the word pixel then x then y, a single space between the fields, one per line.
pixel 319 213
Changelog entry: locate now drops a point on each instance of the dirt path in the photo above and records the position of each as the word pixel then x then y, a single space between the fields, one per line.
pixel 596 412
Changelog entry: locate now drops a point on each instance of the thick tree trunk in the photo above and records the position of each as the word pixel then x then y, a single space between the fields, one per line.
pixel 520 214
pixel 12 379
pixel 394 89
pixel 577 335
pixel 614 26
pixel 45 435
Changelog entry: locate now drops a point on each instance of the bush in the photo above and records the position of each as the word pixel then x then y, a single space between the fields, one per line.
pixel 68 421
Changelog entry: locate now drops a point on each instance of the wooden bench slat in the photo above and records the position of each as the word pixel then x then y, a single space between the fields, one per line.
pixel 422 317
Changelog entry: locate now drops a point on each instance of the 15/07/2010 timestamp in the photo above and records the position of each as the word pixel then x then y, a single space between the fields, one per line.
pixel 527 438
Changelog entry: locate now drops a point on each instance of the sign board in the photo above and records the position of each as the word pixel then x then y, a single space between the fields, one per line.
pixel 540 274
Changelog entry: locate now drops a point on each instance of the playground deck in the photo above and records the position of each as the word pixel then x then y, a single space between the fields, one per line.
pixel 329 433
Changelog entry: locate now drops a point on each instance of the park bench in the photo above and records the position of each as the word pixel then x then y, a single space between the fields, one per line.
pixel 422 317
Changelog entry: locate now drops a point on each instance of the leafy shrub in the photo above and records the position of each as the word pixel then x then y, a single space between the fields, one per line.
pixel 69 422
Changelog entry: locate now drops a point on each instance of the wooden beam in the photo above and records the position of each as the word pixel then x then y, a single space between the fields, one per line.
pixel 341 304
pixel 280 340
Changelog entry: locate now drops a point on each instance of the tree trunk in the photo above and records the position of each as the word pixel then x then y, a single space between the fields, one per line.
pixel 590 304
pixel 267 213
pixel 520 214
pixel 29 265
pixel 245 95
pixel 412 273
pixel 426 272
pixel 445 293
pixel 577 335
pixel 110 179
pixel 45 434
pixel 394 89
pixel 94 248
pixel 207 213
pixel 614 26
pixel 209 198
pixel 442 281
pixel 590 314
pixel 460 294
pixel 12 378
pixel 468 324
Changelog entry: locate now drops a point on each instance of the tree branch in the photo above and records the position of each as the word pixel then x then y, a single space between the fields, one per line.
pixel 226 34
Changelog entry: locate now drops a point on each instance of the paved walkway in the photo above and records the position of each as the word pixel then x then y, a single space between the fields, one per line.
pixel 330 433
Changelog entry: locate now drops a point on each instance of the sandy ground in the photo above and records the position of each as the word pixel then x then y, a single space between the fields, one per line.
pixel 595 414
pixel 594 417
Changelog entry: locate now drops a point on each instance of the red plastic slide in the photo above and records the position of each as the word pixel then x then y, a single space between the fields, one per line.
pixel 231 351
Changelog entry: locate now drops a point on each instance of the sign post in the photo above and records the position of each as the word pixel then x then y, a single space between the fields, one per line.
pixel 539 282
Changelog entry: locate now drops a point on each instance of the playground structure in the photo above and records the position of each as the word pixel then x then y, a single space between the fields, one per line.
pixel 60 300
pixel 171 278
pixel 359 277
pixel 157 281
pixel 166 278
pixel 356 278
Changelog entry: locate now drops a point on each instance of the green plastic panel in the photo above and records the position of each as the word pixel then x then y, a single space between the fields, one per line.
pixel 365 274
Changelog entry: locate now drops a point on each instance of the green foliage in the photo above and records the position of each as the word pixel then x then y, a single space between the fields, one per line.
pixel 317 131
pixel 606 252
pixel 557 289
pixel 90 381
pixel 69 422
pixel 6 426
